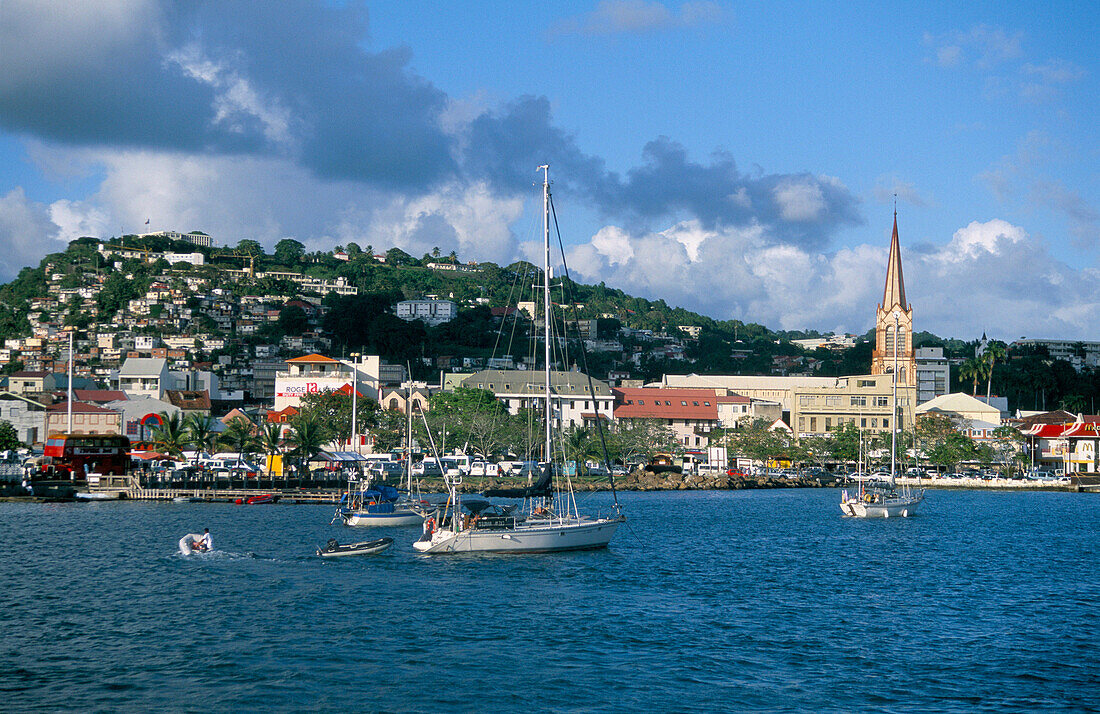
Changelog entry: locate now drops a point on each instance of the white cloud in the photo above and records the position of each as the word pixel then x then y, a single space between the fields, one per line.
pixel 991 277
pixel 26 233
pixel 614 17
pixel 799 200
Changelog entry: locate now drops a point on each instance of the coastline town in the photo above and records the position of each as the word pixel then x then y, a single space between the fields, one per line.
pixel 205 404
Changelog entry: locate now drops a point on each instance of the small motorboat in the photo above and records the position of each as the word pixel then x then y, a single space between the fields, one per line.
pixel 334 550
pixel 191 543
pixel 257 500
pixel 188 499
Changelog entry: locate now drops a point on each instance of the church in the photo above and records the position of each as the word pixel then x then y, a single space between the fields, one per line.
pixel 894 321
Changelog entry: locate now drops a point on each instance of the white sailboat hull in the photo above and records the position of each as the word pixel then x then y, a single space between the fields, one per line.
pixel 399 517
pixel 901 507
pixel 535 537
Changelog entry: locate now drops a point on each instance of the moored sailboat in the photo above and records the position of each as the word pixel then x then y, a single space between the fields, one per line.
pixel 881 498
pixel 549 519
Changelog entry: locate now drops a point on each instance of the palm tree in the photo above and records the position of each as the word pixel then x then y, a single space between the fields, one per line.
pixel 200 430
pixel 171 435
pixel 307 436
pixel 994 352
pixel 271 440
pixel 971 370
pixel 239 434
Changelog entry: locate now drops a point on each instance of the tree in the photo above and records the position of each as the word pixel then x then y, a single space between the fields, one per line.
pixel 247 246
pixel 941 441
pixel 199 429
pixel 972 370
pixel 994 352
pixel 396 256
pixel 332 410
pixel 760 442
pixel 9 437
pixel 271 440
pixel 307 437
pixel 239 435
pixel 289 252
pixel 472 417
pixel 170 436
pixel 293 320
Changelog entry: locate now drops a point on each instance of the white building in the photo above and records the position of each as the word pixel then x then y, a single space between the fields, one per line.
pixel 431 312
pixel 316 373
pixel 523 389
pixel 144 376
pixel 1079 353
pixel 933 373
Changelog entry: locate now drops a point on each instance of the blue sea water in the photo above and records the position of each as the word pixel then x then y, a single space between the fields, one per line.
pixel 706 601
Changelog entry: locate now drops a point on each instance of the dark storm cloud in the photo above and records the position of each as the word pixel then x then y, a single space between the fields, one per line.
pixel 292 80
pixel 505 146
pixel 264 78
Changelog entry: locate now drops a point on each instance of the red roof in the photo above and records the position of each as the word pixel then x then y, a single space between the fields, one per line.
pixel 99 395
pixel 1087 428
pixel 346 389
pixel 281 416
pixel 656 403
pixel 1047 431
pixel 313 359
pixel 80 408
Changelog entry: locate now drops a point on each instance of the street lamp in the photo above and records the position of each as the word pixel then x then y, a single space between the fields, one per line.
pixel 354 401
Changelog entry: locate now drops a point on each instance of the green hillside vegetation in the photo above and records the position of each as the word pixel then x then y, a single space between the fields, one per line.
pixel 365 322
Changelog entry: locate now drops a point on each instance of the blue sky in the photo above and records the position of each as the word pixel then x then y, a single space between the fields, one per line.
pixel 739 159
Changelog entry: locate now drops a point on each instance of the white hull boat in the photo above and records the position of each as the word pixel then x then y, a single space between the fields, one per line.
pixel 399 517
pixel 533 537
pixel 887 507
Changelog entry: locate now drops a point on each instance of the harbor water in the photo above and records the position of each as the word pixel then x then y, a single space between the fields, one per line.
pixel 705 601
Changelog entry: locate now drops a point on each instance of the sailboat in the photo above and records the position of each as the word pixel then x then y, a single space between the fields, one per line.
pixel 549 519
pixel 382 505
pixel 881 498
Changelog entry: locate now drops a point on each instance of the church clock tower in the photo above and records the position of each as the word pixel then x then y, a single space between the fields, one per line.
pixel 894 320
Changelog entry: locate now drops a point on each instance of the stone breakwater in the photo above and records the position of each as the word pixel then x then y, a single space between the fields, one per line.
pixel 665 481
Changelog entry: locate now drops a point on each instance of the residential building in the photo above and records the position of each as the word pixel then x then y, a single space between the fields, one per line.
pixel 1079 353
pixel 431 312
pixel 27 382
pixel 86 419
pixel 26 414
pixel 397 399
pixel 144 376
pixel 691 413
pixel 573 405
pixel 933 373
pixel 189 401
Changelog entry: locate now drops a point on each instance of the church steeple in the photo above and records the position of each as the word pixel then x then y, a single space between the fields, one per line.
pixel 894 293
pixel 891 336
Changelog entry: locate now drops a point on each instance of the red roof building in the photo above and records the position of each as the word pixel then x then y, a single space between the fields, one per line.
pixel 691 413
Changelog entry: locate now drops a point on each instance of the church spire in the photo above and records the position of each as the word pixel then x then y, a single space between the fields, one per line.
pixel 894 292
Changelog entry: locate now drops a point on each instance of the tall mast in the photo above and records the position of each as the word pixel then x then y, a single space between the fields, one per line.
pixel 70 407
pixel 894 416
pixel 546 296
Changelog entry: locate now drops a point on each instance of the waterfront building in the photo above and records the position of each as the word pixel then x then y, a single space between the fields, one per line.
pixel 863 400
pixel 691 414
pixel 87 419
pixel 765 388
pixel 25 414
pixel 523 389
pixel 316 373
pixel 894 320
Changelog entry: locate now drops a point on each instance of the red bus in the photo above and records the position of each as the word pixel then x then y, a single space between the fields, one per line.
pixel 75 456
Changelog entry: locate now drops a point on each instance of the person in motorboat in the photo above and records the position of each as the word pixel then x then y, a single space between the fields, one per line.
pixel 206 545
